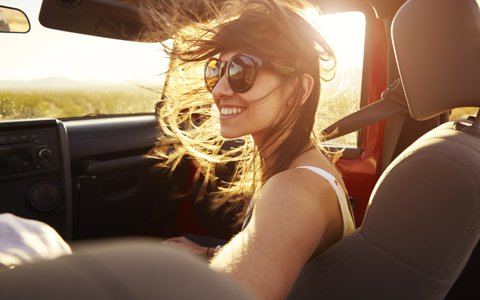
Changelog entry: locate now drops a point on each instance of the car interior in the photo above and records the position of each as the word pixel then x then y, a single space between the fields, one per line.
pixel 417 235
pixel 412 174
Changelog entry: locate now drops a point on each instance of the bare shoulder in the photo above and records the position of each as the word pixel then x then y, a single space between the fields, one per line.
pixel 299 188
pixel 300 205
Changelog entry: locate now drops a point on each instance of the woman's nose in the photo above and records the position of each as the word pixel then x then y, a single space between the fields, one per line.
pixel 222 88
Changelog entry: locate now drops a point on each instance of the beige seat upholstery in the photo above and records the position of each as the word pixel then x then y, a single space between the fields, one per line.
pixel 423 220
pixel 117 270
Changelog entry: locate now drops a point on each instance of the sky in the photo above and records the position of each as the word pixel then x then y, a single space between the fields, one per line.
pixel 43 52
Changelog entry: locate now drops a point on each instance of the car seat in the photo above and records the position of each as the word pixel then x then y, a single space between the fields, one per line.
pixel 423 219
pixel 119 269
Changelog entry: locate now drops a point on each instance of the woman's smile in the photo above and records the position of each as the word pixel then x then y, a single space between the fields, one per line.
pixel 229 112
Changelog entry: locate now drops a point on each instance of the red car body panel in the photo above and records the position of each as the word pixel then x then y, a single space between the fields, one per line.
pixel 360 174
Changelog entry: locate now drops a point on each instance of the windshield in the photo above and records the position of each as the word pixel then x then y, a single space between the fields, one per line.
pixel 51 73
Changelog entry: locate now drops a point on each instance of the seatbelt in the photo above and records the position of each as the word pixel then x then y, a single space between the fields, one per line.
pixel 391 135
pixel 391 102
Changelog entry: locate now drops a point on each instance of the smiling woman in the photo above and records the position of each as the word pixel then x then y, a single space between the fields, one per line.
pixel 263 68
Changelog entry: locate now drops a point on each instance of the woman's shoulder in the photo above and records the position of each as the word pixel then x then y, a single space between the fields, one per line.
pixel 299 184
pixel 295 175
pixel 294 195
pixel 302 176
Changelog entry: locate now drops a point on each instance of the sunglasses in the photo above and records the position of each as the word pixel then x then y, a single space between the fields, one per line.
pixel 241 71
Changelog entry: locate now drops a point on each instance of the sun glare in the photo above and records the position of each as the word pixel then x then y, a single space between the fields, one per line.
pixel 345 33
pixel 47 53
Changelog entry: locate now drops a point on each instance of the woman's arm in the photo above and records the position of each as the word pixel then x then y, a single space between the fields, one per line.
pixel 294 212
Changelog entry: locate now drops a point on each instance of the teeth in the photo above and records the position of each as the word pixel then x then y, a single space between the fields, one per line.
pixel 231 110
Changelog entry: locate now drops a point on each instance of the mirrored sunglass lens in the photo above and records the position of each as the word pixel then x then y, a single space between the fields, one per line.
pixel 212 74
pixel 240 73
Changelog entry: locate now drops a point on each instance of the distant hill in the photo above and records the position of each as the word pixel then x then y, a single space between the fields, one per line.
pixel 59 83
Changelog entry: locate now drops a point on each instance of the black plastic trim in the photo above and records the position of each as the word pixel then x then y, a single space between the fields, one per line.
pixel 110 135
pixel 67 179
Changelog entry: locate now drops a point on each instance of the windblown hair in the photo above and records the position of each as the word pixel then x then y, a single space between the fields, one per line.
pixel 272 30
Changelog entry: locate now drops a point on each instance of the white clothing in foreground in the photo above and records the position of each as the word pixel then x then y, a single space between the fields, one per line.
pixel 25 241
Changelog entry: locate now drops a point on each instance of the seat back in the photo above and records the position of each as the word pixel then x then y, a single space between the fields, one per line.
pixel 423 220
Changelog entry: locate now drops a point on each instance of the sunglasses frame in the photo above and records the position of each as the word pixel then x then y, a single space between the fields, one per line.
pixel 258 63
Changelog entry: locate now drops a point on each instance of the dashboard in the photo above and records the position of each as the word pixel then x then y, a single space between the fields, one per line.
pixel 35 180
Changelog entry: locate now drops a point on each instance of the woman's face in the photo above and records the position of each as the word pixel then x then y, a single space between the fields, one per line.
pixel 254 111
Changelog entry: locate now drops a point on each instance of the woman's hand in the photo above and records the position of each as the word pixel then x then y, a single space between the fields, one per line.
pixel 187 244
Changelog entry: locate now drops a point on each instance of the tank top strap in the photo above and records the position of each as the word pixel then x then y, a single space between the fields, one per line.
pixel 347 217
pixel 348 224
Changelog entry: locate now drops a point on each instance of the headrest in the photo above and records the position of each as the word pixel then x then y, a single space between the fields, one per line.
pixel 437 47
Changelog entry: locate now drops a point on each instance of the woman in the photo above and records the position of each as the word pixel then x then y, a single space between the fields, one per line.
pixel 262 65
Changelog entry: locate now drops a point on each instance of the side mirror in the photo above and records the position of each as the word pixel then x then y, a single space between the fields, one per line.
pixel 13 20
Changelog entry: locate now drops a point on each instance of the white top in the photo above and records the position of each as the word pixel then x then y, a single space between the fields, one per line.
pixel 348 224
pixel 24 241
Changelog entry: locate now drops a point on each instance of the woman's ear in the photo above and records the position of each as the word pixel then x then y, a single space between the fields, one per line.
pixel 307 84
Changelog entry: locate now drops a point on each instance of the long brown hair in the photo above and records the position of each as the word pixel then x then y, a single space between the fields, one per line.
pixel 272 30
